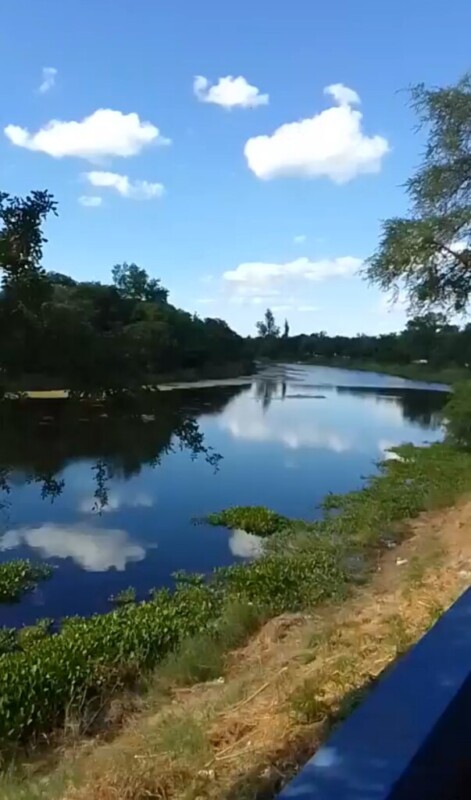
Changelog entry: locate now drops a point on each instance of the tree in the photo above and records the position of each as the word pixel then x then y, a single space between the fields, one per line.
pixel 133 283
pixel 21 247
pixel 286 329
pixel 429 252
pixel 268 327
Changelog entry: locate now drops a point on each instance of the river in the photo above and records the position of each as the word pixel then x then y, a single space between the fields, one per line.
pixel 112 503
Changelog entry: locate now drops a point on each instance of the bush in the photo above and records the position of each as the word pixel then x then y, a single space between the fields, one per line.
pixel 457 413
pixel 252 519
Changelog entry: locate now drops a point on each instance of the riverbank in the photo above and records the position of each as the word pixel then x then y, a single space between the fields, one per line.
pixel 111 659
pixel 40 387
pixel 274 699
pixel 413 372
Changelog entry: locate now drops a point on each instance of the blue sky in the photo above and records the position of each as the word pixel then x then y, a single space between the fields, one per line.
pixel 268 190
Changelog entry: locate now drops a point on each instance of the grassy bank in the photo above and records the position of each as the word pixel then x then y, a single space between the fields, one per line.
pixel 43 680
pixel 415 372
pixel 274 699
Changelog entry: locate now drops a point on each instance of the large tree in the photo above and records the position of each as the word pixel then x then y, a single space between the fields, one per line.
pixel 133 283
pixel 267 328
pixel 428 253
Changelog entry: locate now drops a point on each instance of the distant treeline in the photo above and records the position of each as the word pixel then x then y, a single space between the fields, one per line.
pixel 427 338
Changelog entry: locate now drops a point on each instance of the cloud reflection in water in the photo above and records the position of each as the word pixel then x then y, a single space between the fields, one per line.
pixel 92 548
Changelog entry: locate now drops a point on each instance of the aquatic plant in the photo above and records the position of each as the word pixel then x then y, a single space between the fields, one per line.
pixel 258 520
pixel 20 576
pixel 123 597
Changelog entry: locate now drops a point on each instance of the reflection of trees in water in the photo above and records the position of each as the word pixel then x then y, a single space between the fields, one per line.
pixel 267 387
pixel 40 438
pixel 421 406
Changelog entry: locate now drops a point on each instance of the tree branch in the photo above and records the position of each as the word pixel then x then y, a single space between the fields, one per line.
pixel 463 258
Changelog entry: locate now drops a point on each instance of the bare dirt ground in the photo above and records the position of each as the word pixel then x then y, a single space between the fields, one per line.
pixel 243 736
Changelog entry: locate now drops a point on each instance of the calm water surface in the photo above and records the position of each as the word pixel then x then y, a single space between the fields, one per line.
pixel 111 503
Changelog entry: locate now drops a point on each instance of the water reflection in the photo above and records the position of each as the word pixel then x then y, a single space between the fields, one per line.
pixel 419 406
pixel 93 549
pixel 39 439
pixel 245 545
pixel 126 484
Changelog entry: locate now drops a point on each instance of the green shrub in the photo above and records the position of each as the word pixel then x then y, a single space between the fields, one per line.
pixel 20 576
pixel 457 413
pixel 200 658
pixel 252 519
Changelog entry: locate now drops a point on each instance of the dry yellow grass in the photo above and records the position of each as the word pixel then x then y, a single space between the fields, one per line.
pixel 243 737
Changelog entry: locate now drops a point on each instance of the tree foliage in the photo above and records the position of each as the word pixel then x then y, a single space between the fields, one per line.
pixel 267 327
pixel 88 336
pixel 427 337
pixel 429 252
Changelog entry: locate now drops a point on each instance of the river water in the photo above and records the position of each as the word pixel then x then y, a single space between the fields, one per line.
pixel 113 502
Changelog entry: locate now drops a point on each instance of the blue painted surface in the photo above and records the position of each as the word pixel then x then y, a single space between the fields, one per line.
pixel 411 738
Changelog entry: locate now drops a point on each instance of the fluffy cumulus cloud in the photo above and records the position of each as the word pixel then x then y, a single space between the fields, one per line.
pixel 48 79
pixel 329 144
pixel 229 92
pixel 135 190
pixel 90 201
pixel 250 277
pixel 92 548
pixel 103 134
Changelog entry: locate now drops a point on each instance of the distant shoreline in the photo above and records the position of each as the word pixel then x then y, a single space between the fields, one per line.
pixel 40 387
pixel 415 372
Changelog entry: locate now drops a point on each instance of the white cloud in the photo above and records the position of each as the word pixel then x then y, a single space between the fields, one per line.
pixel 293 433
pixel 135 190
pixel 300 239
pixel 393 302
pixel 245 545
pixel 229 92
pixel 386 452
pixel 342 94
pixel 123 497
pixel 48 79
pixel 103 134
pixel 90 201
pixel 329 144
pixel 94 549
pixel 251 277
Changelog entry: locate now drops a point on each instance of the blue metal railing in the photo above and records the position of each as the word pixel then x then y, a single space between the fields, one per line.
pixel 411 738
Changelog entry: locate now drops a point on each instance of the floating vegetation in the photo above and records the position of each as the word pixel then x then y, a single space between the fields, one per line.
pixel 20 576
pixel 258 520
